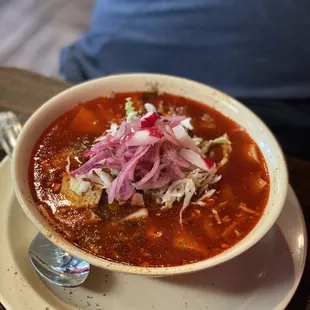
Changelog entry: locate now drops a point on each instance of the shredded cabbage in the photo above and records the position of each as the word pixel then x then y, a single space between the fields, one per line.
pixel 189 192
pixel 98 176
pixel 207 195
pixel 78 185
pixel 197 140
pixel 220 140
pixel 130 110
pixel 201 178
pixel 176 191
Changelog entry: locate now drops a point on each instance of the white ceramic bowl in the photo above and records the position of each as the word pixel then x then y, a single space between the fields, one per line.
pixel 145 82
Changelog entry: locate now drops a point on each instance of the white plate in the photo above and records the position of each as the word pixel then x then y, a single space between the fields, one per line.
pixel 264 277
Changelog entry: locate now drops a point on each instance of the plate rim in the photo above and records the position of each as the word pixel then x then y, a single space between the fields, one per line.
pixel 3 301
pixel 292 292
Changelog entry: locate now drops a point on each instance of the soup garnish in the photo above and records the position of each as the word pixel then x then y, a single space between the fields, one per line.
pixel 149 179
pixel 153 155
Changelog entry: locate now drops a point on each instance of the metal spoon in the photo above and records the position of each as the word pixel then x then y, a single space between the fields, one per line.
pixel 50 262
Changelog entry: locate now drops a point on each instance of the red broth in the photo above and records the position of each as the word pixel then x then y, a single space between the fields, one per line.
pixel 232 212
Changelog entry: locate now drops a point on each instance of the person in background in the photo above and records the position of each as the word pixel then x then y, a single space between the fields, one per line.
pixel 256 51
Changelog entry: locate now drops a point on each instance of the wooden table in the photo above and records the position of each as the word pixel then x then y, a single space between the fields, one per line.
pixel 23 92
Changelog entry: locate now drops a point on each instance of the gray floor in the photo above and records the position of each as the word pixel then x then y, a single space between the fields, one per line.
pixel 33 31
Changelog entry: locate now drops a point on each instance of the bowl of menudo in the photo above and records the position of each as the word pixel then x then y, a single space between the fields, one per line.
pixel 149 174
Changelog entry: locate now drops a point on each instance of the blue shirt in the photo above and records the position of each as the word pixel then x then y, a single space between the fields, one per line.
pixel 247 48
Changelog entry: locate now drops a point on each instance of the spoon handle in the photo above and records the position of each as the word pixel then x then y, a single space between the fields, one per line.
pixel 50 262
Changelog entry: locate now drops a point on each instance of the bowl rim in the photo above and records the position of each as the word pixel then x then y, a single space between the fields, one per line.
pixel 216 260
